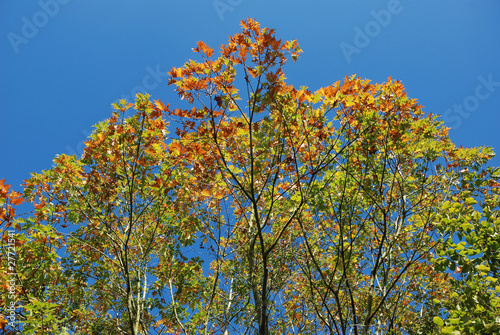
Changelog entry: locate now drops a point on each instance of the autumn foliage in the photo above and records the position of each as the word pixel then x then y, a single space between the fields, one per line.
pixel 270 210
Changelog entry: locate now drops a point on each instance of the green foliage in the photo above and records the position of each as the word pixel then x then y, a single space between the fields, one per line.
pixel 471 236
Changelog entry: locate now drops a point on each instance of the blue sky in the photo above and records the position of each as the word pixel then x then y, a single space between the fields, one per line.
pixel 63 62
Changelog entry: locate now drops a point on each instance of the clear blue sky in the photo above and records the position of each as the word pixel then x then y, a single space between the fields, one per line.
pixel 63 62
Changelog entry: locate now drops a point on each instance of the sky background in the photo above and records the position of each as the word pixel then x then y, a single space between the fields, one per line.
pixel 63 62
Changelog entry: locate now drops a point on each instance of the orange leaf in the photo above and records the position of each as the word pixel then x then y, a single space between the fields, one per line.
pixel 15 198
pixel 206 193
pixel 3 322
pixel 204 48
pixel 3 188
pixel 176 148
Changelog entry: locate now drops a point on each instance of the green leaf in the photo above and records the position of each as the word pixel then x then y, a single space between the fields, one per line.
pixel 483 268
pixel 450 330
pixel 470 201
pixel 438 321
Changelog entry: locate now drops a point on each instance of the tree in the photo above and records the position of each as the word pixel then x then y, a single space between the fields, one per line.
pixel 470 235
pixel 272 210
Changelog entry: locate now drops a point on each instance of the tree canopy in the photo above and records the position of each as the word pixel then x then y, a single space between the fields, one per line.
pixel 270 210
